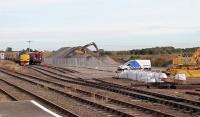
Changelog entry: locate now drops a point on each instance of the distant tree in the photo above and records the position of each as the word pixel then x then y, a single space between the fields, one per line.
pixel 108 53
pixel 8 49
pixel 150 52
pixel 132 52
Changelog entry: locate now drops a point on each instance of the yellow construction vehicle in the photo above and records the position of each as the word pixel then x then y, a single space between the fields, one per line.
pixel 188 64
pixel 82 50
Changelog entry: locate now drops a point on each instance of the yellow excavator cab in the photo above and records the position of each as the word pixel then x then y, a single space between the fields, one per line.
pixel 82 50
pixel 79 51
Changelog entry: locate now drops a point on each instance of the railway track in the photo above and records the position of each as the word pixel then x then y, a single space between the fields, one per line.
pixel 192 102
pixel 74 71
pixel 44 101
pixel 98 69
pixel 8 94
pixel 181 104
pixel 198 89
pixel 38 69
pixel 195 93
pixel 60 69
pixel 125 105
pixel 109 110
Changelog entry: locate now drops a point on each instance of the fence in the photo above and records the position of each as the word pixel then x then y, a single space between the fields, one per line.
pixel 74 61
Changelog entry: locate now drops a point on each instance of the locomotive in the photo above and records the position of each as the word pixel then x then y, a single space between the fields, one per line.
pixel 24 58
pixel 35 58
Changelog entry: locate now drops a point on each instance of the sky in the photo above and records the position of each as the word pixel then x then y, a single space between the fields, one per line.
pixel 111 24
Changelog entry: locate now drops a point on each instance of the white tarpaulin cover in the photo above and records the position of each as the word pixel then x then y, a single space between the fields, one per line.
pixel 143 76
pixel 180 77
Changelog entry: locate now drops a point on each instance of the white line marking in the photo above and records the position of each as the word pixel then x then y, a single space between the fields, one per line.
pixel 45 109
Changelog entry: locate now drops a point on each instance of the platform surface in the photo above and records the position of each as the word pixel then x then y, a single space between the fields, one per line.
pixel 24 109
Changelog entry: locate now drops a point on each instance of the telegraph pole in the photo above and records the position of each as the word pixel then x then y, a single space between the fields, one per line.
pixel 29 45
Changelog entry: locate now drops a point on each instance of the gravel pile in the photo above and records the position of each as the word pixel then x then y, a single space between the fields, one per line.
pixel 66 56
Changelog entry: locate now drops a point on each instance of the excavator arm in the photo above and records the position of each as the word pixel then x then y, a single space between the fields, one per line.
pixel 90 44
pixel 82 50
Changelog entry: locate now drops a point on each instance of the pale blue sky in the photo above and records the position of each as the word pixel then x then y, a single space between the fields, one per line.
pixel 112 24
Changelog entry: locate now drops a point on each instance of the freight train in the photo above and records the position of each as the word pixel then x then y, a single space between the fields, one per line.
pixel 36 58
pixel 23 58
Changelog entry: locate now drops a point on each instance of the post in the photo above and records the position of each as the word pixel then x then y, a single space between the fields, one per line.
pixel 29 45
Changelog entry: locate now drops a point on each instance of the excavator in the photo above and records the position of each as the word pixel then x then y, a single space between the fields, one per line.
pixel 188 64
pixel 82 50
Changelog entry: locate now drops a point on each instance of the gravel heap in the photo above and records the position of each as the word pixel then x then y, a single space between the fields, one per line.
pixel 66 56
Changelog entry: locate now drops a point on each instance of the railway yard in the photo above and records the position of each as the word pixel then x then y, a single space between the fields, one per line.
pixel 78 82
pixel 84 92
pixel 98 58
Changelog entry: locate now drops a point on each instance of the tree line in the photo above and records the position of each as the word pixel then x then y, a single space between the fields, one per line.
pixel 153 51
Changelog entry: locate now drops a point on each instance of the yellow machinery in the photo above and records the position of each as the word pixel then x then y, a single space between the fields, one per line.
pixel 188 64
pixel 24 59
pixel 82 50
